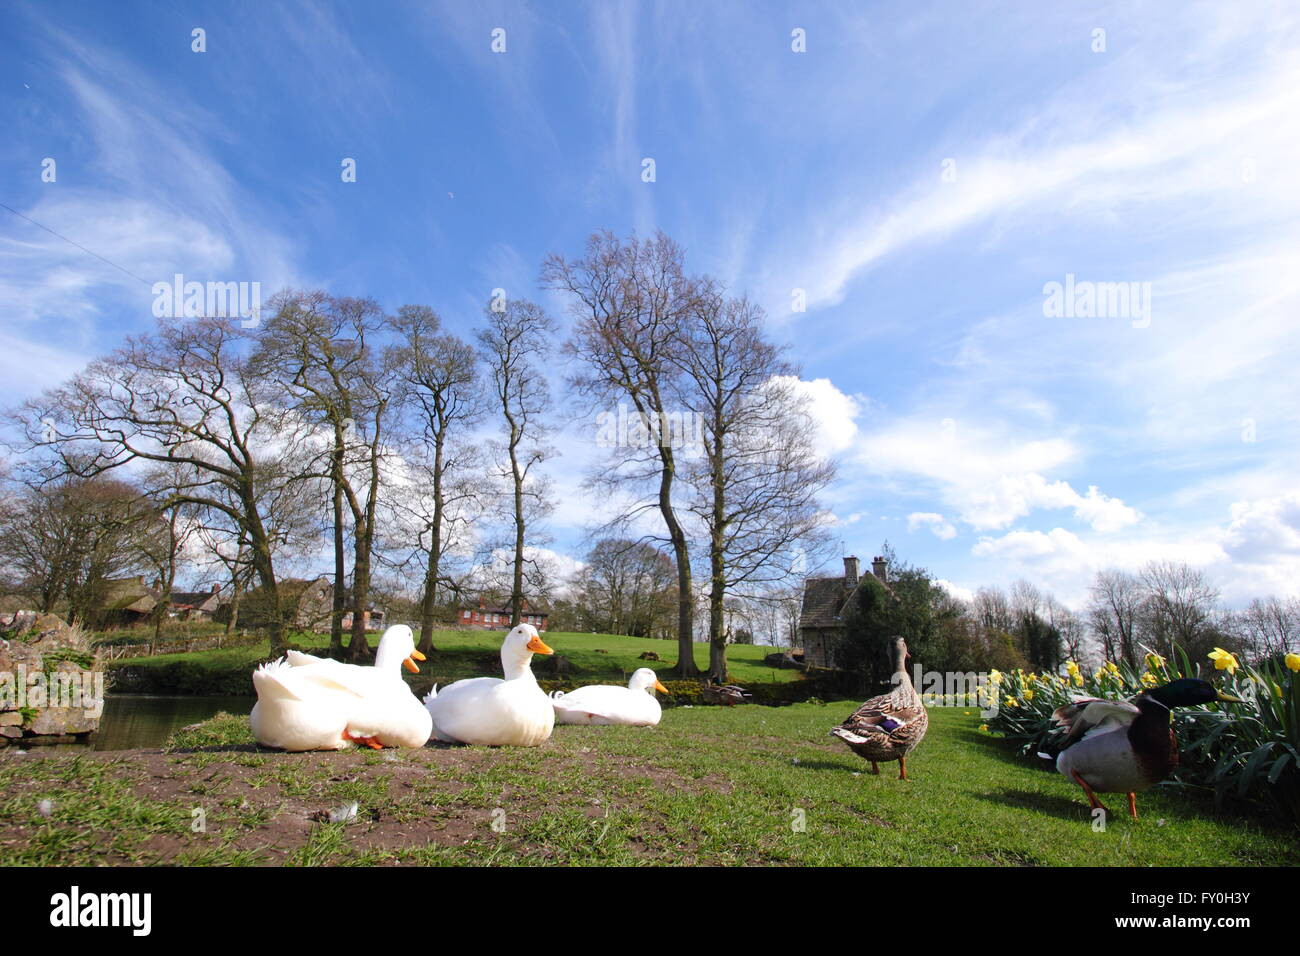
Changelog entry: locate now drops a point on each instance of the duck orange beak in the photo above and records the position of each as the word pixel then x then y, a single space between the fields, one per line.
pixel 410 664
pixel 538 646
pixel 661 688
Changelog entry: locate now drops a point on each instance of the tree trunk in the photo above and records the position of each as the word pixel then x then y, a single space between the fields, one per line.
pixel 685 668
pixel 428 605
pixel 718 560
pixel 340 570
pixel 234 605
pixel 359 646
pixel 434 567
pixel 517 587
pixel 266 578
pixel 717 623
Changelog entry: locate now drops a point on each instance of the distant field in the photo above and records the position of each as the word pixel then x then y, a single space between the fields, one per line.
pixel 595 657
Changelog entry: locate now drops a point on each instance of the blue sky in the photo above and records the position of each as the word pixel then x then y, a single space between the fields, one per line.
pixel 980 436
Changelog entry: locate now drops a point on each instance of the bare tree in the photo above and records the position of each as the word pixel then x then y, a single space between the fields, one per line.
pixel 444 393
pixel 317 349
pixel 756 484
pixel 182 396
pixel 992 610
pixel 68 537
pixel 626 587
pixel 1179 609
pixel 1115 612
pixel 629 299
pixel 514 345
pixel 1271 626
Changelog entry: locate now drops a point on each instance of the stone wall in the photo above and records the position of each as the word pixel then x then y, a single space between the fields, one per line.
pixel 51 684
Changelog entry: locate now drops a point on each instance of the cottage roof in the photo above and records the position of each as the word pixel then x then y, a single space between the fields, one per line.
pixel 823 599
pixel 193 598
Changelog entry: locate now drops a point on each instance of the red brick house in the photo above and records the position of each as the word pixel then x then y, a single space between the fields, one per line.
pixel 493 615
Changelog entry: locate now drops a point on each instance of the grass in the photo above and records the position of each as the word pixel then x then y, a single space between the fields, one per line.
pixel 708 786
pixel 460 654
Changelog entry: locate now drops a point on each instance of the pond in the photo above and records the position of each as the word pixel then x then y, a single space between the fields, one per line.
pixel 144 720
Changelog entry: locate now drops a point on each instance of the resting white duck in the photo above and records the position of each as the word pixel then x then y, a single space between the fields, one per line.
pixel 634 705
pixel 313 703
pixel 492 712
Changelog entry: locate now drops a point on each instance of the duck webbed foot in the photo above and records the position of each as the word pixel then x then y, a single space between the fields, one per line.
pixel 371 742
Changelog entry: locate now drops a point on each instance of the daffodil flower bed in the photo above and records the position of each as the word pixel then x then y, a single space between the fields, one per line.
pixel 1248 752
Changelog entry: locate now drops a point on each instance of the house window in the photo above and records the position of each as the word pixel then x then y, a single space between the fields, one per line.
pixel 467 615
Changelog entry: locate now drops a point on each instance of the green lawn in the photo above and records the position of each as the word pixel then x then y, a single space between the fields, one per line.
pixel 709 785
pixel 595 657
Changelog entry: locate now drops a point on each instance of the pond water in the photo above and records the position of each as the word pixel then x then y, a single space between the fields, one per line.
pixel 144 720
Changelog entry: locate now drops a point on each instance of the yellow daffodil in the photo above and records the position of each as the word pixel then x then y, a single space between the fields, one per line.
pixel 1293 662
pixel 1110 666
pixel 984 727
pixel 995 676
pixel 1150 680
pixel 1224 661
pixel 1011 702
pixel 1155 661
pixel 1078 680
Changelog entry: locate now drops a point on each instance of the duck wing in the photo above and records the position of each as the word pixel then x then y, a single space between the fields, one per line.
pixel 867 718
pixel 299 659
pixel 1085 716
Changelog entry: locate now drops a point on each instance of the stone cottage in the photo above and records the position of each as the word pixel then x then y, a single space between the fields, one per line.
pixel 824 599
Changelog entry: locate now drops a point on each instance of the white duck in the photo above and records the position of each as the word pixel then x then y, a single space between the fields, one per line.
pixel 634 705
pixel 493 712
pixel 312 703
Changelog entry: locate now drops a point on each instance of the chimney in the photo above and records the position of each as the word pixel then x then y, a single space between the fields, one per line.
pixel 850 572
pixel 216 588
pixel 880 569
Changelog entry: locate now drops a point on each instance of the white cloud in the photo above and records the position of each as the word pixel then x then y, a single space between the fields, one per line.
pixel 1012 497
pixel 1264 529
pixel 956 590
pixel 834 412
pixel 937 523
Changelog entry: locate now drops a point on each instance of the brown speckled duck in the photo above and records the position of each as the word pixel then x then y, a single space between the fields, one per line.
pixel 890 726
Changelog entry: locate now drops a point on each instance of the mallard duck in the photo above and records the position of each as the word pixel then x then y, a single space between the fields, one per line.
pixel 634 705
pixel 312 703
pixel 728 695
pixel 890 726
pixel 1126 746
pixel 496 713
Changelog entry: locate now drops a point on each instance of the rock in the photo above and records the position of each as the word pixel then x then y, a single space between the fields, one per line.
pixel 648 656
pixel 52 739
pixel 50 647
pixel 63 720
